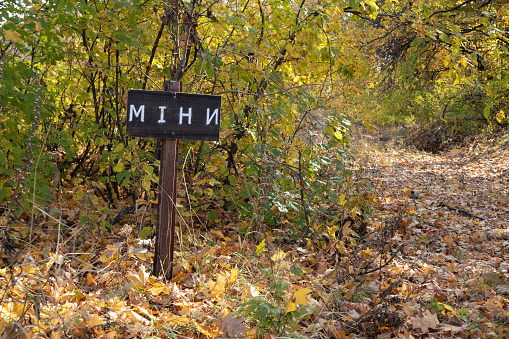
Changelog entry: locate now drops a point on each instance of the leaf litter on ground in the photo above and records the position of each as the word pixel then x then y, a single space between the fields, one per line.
pixel 448 279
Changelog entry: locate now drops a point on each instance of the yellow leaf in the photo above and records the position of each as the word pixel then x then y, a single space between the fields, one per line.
pixel 92 319
pixel 278 256
pixel 500 116
pixel 38 26
pixel 300 296
pixel 217 234
pixel 35 8
pixel 342 200
pixel 145 256
pixel 291 306
pixel 234 273
pixel 175 320
pixel 332 231
pixel 367 253
pixel 453 152
pixel 12 36
pixel 252 333
pixel 210 331
pixel 157 289
pixel 447 307
pixel 110 253
pixel 338 135
pixel 28 269
pixel 260 247
pixel 11 310
pixel 216 287
pixel 139 279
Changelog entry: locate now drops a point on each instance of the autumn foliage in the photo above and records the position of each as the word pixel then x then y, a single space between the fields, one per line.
pixel 358 189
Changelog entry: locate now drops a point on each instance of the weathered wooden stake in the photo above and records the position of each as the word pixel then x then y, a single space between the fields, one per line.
pixel 166 210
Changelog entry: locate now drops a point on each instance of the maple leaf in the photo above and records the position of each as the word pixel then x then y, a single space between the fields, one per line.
pixel 159 288
pixel 280 255
pixel 216 287
pixel 232 325
pixel 12 36
pixel 300 296
pixel 234 273
pixel 139 279
pixel 426 322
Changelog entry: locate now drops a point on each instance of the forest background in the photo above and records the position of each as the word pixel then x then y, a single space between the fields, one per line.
pixel 295 78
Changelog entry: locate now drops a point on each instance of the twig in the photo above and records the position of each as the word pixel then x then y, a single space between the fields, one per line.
pixel 123 212
pixel 468 214
pixel 285 90
pixel 301 189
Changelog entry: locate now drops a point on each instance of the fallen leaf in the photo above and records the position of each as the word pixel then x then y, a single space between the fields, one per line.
pixel 300 296
pixel 280 255
pixel 232 325
pixel 218 234
pixel 234 273
pixel 425 322
pixel 502 200
pixel 291 306
pixel 90 280
pixel 140 278
pixel 453 152
pixel 346 228
pixel 449 240
pixel 216 287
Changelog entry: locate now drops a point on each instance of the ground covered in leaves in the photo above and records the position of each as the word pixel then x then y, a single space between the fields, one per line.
pixel 431 260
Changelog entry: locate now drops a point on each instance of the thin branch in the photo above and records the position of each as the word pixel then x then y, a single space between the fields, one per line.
pixel 273 93
pixel 452 9
pixel 153 53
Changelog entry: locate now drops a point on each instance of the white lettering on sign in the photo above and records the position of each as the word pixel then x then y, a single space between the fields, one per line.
pixel 214 114
pixel 188 115
pixel 161 119
pixel 137 113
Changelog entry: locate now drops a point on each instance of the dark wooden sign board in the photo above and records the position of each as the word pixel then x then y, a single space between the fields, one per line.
pixel 170 115
pixel 173 115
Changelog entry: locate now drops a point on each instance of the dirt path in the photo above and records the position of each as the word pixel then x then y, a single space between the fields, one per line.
pixel 455 258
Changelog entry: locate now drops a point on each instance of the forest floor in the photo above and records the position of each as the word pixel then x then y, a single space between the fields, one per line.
pixel 439 226
pixel 454 263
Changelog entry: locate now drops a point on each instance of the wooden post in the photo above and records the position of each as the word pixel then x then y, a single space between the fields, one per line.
pixel 166 210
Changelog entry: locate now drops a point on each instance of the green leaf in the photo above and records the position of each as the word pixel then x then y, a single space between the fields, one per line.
pixel 253 169
pixel 79 195
pixel 296 270
pixel 145 232
pixel 233 180
pixel 354 4
pixel 5 192
pixel 119 167
pixel 212 214
pixel 486 112
pixel 337 180
pixel 445 38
